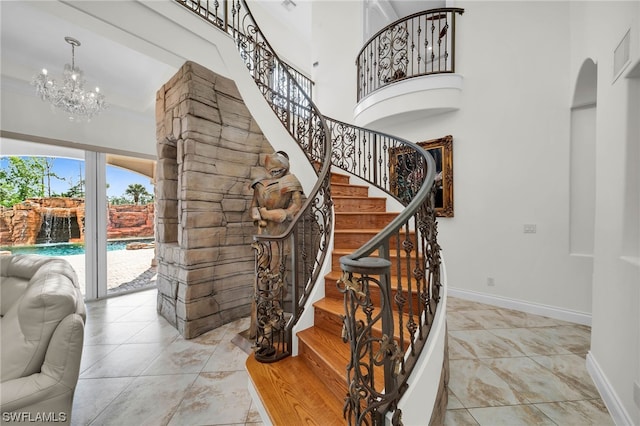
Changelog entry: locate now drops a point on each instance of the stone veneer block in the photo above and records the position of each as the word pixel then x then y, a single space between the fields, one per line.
pixel 209 152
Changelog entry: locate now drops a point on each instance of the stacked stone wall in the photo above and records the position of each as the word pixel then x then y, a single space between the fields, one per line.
pixel 209 151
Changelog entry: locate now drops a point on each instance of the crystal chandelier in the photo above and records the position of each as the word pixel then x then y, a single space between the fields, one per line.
pixel 70 95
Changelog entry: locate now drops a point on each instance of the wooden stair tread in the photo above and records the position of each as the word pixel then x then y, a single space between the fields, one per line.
pixel 367 213
pixel 343 251
pixel 349 184
pixel 413 304
pixel 328 347
pixel 358 231
pixel 335 275
pixel 364 231
pixel 280 386
pixel 348 197
pixel 336 307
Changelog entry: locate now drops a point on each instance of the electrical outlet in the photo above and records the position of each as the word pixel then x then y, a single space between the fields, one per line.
pixel 491 282
pixel 530 229
pixel 636 393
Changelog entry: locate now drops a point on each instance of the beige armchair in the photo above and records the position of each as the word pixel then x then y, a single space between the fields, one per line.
pixel 42 330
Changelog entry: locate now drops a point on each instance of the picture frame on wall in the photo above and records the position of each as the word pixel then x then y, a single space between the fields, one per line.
pixel 442 151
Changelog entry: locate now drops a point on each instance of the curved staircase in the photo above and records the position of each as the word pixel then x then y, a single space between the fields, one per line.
pixel 311 388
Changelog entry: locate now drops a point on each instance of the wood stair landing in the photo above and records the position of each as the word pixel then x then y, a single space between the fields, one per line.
pixel 310 389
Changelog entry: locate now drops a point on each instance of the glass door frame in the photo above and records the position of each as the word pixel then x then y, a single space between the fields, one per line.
pixel 95 240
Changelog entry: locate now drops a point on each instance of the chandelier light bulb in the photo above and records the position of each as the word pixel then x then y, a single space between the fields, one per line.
pixel 70 96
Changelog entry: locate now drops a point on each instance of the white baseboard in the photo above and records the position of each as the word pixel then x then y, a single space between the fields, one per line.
pixel 257 403
pixel 524 306
pixel 608 394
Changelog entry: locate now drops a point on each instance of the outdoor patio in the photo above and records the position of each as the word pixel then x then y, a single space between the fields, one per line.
pixel 126 269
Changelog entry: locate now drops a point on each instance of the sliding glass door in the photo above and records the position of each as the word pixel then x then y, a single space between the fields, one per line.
pixel 93 209
pixel 129 224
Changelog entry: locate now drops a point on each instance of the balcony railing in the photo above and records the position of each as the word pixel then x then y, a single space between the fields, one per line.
pixel 419 44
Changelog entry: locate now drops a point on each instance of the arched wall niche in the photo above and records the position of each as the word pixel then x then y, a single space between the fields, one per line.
pixel 583 162
pixel 585 93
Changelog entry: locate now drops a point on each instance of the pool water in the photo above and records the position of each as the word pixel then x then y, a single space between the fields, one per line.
pixel 67 249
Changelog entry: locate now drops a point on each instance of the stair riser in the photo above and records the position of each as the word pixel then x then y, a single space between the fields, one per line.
pixel 337 384
pixel 354 240
pixel 349 191
pixel 335 264
pixel 332 291
pixel 327 321
pixel 360 204
pixel 341 179
pixel 363 221
pixel 333 324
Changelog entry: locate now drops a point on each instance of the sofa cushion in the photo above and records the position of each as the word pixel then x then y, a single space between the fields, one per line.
pixel 16 272
pixel 28 325
pixel 12 289
pixel 22 265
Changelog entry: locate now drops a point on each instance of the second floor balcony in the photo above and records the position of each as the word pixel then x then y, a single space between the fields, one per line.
pixel 408 66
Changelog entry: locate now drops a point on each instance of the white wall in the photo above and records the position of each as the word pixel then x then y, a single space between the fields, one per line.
pixel 377 14
pixel 616 282
pixel 336 40
pixel 511 157
pixel 291 42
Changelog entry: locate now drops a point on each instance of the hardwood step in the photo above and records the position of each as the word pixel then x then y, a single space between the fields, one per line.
pixel 348 190
pixel 353 220
pixel 280 386
pixel 336 254
pixel 328 312
pixel 310 388
pixel 328 356
pixel 354 238
pixel 331 290
pixel 359 204
pixel 339 178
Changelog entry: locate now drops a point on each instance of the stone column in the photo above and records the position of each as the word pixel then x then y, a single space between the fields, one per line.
pixel 209 152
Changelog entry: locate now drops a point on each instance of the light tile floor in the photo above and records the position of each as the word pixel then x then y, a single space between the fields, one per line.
pixel 137 370
pixel 512 368
pixel 507 368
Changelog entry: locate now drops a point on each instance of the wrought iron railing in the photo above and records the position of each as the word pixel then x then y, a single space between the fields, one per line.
pixel 287 265
pixel 419 44
pixel 391 285
pixel 227 16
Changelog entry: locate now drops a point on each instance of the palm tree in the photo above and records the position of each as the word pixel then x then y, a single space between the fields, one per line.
pixel 136 190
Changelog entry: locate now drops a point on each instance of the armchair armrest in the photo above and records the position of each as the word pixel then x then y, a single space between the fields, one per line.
pixel 49 392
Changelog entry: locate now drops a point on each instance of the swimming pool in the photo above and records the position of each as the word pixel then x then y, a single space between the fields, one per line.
pixel 68 249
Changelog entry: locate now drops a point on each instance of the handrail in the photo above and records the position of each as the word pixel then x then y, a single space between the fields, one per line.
pixel 419 44
pixel 287 265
